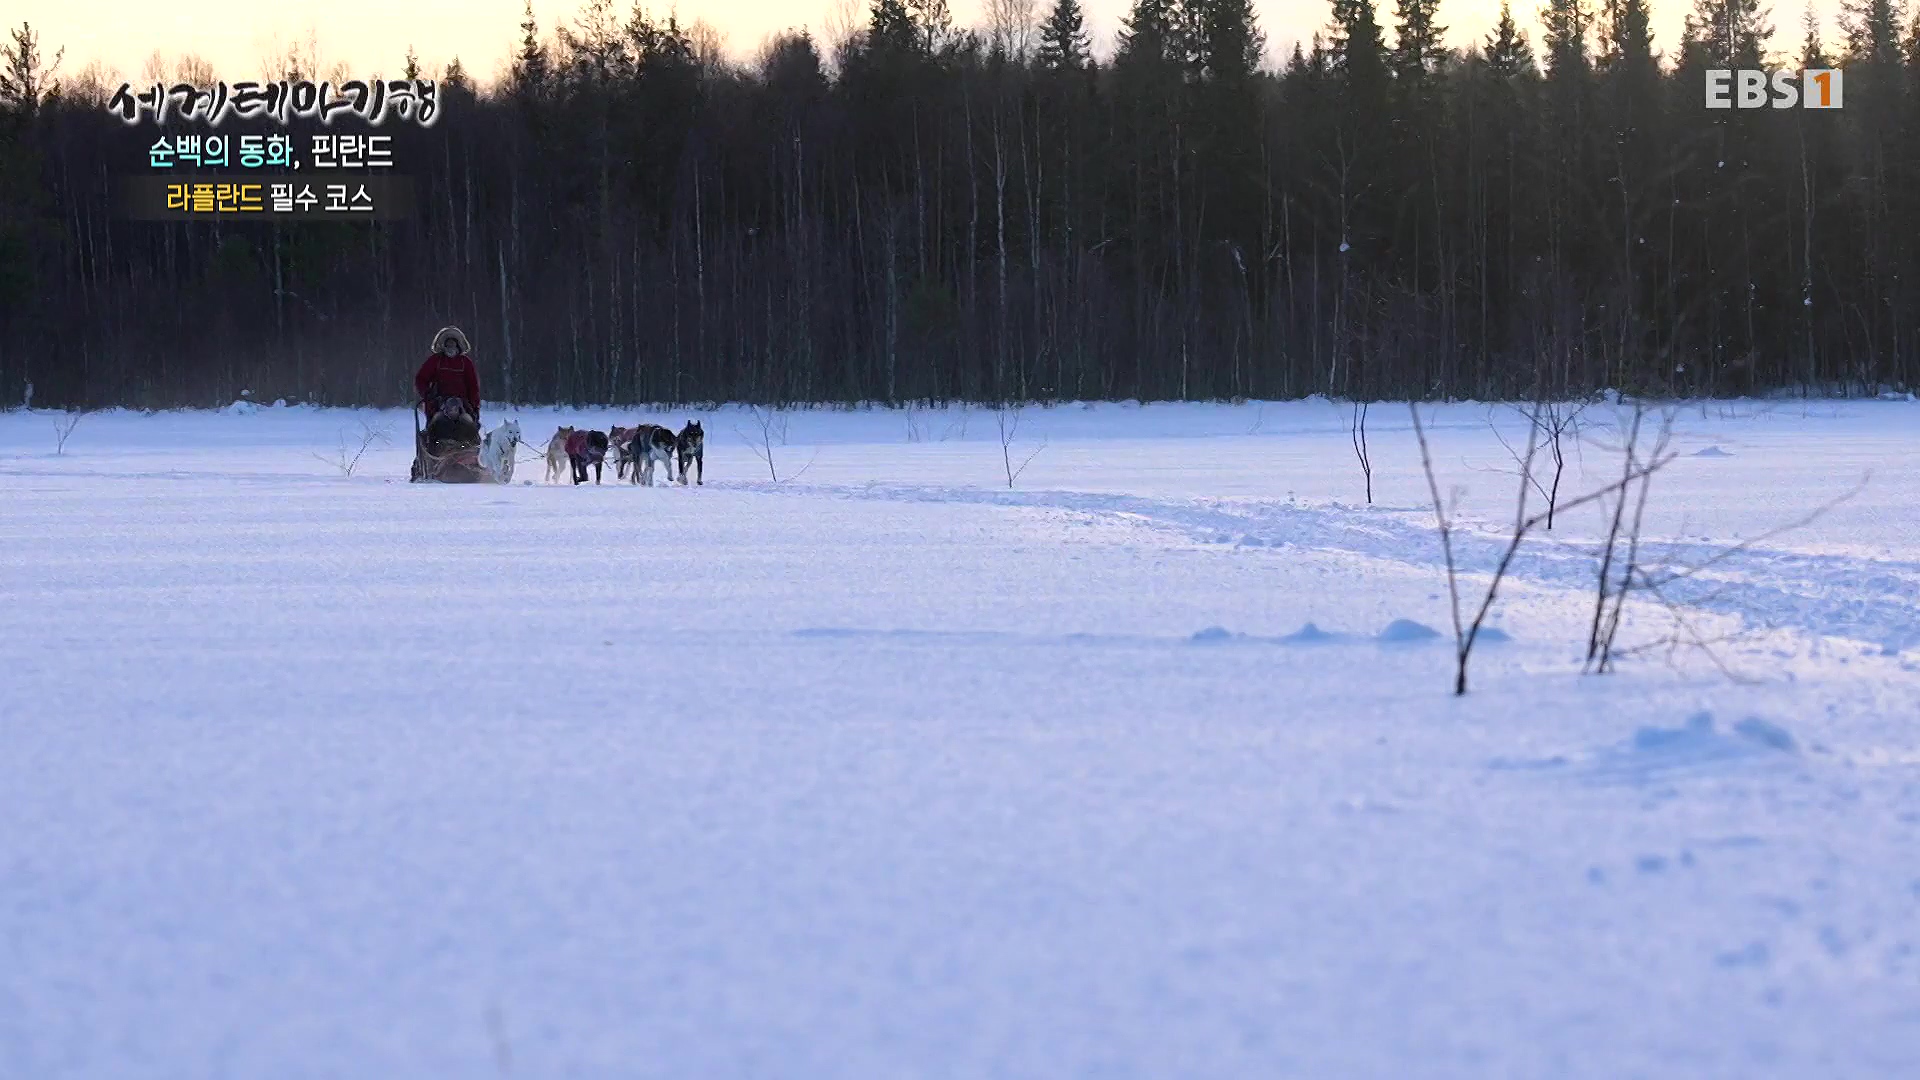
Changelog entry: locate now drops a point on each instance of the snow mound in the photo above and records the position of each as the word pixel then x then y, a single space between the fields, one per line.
pixel 241 408
pixel 1656 753
pixel 1405 630
pixel 1308 634
pixel 1492 635
pixel 1659 753
pixel 1711 451
pixel 1760 732
pixel 1699 734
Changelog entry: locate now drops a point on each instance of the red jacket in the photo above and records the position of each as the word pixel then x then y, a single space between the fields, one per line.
pixel 444 376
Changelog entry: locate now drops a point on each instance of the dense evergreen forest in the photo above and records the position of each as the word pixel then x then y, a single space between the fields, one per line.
pixel 921 212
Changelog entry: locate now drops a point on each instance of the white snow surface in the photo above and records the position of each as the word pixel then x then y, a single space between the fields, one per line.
pixel 1143 768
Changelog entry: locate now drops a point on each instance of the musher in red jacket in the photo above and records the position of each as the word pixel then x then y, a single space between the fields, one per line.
pixel 448 374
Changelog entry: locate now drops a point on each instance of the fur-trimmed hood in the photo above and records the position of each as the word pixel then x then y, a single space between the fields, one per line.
pixel 439 339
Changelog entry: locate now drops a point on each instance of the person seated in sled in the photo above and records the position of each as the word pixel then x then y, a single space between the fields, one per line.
pixel 449 390
pixel 451 429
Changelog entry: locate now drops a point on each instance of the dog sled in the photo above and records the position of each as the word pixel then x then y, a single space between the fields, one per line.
pixel 452 459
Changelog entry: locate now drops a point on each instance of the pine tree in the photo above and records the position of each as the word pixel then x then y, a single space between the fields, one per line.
pixel 1507 52
pixel 1627 37
pixel 1185 39
pixel 29 233
pixel 1358 47
pixel 1729 33
pixel 1632 151
pixel 1567 23
pixel 1230 43
pixel 412 69
pixel 1813 51
pixel 1417 48
pixel 890 28
pixel 934 21
pixel 1872 29
pixel 531 69
pixel 1064 45
pixel 1148 34
pixel 1360 155
pixel 26 79
pixel 1632 74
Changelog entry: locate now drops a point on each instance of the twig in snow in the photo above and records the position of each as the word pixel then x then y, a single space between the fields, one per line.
pixel 62 427
pixel 764 450
pixel 1465 632
pixel 1637 577
pixel 1007 433
pixel 1553 421
pixel 771 422
pixel 348 460
pixel 1357 431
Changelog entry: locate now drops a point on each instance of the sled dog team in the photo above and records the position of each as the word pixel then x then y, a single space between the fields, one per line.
pixel 637 448
pixel 448 386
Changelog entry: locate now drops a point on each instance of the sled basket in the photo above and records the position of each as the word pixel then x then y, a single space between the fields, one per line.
pixel 447 463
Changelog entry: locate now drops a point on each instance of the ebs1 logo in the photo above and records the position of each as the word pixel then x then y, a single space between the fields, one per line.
pixel 1816 88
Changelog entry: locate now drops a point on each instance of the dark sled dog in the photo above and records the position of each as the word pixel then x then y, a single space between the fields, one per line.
pixel 652 444
pixel 586 448
pixel 691 447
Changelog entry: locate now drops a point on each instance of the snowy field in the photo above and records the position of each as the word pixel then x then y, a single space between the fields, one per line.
pixel 885 770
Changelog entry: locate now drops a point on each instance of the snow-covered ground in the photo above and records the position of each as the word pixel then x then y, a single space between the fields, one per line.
pixel 886 770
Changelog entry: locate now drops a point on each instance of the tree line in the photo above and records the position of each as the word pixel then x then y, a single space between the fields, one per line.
pixel 922 212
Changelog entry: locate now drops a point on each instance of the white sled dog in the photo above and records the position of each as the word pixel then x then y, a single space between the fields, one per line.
pixel 652 445
pixel 557 464
pixel 498 450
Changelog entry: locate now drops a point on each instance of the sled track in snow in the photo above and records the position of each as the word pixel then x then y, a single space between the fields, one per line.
pixel 1831 595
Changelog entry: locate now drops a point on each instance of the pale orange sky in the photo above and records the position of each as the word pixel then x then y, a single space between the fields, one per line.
pixel 371 36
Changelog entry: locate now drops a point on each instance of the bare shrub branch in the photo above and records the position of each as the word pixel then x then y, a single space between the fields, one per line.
pixel 1357 432
pixel 1551 421
pixel 62 427
pixel 1446 535
pixel 811 458
pixel 957 428
pixel 763 418
pixel 1465 632
pixel 773 426
pixel 1008 430
pixel 1613 590
pixel 1611 543
pixel 348 457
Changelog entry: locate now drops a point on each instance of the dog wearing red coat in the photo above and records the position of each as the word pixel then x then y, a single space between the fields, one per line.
pixel 586 448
